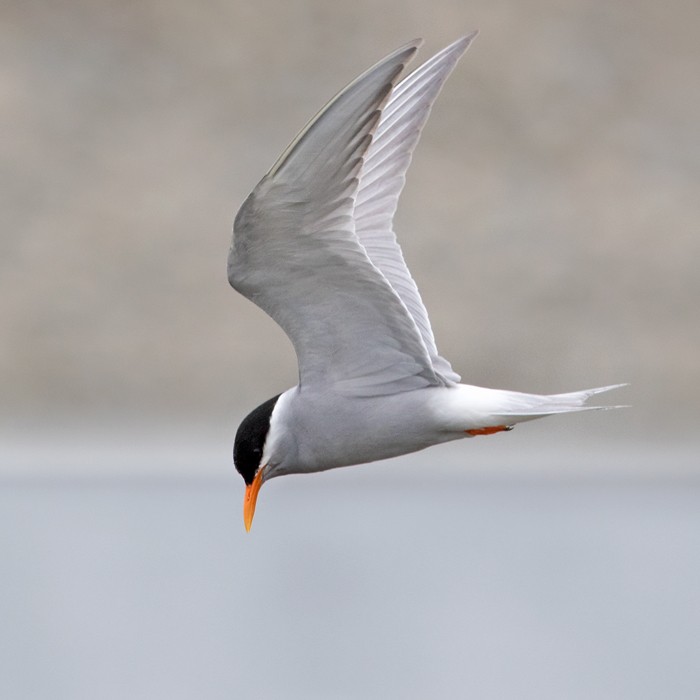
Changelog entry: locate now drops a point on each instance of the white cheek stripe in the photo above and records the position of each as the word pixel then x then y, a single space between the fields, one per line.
pixel 276 429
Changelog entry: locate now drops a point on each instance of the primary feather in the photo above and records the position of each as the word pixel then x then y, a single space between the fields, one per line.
pixel 382 178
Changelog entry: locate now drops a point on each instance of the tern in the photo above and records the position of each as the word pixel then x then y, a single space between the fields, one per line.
pixel 314 247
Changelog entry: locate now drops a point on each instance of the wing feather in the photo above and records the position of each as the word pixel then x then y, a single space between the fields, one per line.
pixel 296 255
pixel 383 176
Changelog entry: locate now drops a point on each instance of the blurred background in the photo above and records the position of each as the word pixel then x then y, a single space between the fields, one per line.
pixel 551 221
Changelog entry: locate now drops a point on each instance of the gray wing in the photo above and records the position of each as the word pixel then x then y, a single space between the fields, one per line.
pixel 296 255
pixel 383 176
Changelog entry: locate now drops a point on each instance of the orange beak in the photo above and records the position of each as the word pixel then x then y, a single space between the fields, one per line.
pixel 251 496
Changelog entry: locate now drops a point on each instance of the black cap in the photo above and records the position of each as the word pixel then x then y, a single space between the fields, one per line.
pixel 250 439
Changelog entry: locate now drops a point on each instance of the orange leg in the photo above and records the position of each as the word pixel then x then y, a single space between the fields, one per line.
pixel 490 430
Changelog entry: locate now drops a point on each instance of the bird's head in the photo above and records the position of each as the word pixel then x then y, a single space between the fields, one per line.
pixel 249 454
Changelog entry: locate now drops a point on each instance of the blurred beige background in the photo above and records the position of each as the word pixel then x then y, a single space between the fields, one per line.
pixel 550 217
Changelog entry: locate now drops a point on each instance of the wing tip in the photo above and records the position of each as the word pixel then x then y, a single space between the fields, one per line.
pixel 405 52
pixel 462 44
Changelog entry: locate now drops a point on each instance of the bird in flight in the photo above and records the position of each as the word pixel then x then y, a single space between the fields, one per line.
pixel 314 247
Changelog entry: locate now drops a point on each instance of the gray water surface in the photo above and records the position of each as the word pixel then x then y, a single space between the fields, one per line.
pixel 350 588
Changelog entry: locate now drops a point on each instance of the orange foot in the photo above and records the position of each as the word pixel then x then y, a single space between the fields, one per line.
pixel 490 430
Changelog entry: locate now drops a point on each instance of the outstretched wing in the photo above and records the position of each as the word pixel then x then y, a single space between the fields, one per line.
pixel 383 176
pixel 296 255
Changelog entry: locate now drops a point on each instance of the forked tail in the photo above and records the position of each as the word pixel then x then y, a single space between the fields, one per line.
pixel 521 407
